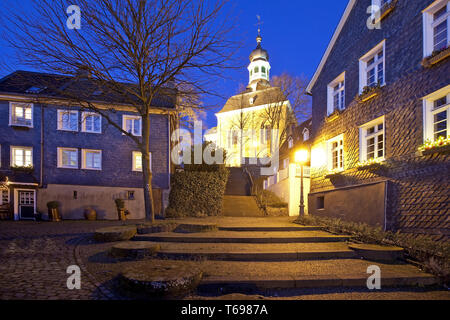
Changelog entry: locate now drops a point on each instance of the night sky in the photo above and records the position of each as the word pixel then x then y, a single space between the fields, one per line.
pixel 295 33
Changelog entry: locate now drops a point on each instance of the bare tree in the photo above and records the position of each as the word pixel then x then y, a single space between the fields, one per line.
pixel 135 50
pixel 277 115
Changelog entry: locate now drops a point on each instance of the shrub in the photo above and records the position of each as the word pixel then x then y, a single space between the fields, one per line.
pixel 52 205
pixel 197 193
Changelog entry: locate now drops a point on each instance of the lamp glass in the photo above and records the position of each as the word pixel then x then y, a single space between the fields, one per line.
pixel 301 156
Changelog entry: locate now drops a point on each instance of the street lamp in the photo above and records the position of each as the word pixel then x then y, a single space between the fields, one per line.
pixel 301 156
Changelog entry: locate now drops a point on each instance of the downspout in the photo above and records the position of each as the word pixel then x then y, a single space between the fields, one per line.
pixel 41 180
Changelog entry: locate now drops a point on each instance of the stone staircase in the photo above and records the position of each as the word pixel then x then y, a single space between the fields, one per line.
pixel 249 257
pixel 238 201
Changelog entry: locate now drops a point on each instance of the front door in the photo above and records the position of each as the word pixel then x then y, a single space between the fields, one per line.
pixel 26 204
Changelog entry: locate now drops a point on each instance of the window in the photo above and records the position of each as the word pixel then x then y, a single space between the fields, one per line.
pixel 436 115
pixel 92 159
pixel 381 3
pixel 68 158
pixel 436 24
pixel 132 125
pixel 372 68
pixel 336 153
pixel 256 69
pixel 91 122
pixel 137 161
pixel 235 137
pixel 67 120
pixel 321 202
pixel 286 163
pixel 372 140
pixel 290 143
pixel 305 134
pixel 336 94
pixel 21 156
pixel 21 114
pixel 263 70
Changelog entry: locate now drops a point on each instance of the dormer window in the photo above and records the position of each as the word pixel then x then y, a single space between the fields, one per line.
pixel 252 100
pixel 290 143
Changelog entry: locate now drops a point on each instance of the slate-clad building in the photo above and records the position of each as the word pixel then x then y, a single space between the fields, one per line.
pixel 380 114
pixel 53 150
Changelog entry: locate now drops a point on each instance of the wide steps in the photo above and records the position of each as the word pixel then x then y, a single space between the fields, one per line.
pixel 240 206
pixel 257 252
pixel 245 237
pixel 230 276
pixel 269 229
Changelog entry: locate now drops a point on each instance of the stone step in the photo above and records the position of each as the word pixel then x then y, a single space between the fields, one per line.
pixel 240 206
pixel 245 237
pixel 270 229
pixel 226 285
pixel 256 252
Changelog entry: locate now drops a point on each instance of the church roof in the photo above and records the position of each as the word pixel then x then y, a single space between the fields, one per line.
pixel 254 99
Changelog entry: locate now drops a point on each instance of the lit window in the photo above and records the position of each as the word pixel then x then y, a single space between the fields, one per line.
pixel 336 153
pixel 372 140
pixel 305 134
pixel 68 158
pixel 372 68
pixel 132 125
pixel 67 120
pixel 436 115
pixel 21 156
pixel 92 159
pixel 21 114
pixel 436 24
pixel 91 122
pixel 137 161
pixel 290 143
pixel 336 94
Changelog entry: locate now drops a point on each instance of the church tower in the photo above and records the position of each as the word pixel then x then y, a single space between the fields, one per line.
pixel 259 67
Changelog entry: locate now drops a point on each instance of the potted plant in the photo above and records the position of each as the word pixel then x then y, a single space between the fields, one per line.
pixel 90 214
pixel 120 205
pixel 53 212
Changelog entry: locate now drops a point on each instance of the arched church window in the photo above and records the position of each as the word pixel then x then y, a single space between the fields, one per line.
pixel 235 137
pixel 263 70
pixel 256 69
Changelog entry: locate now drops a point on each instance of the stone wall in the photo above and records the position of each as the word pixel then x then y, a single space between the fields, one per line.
pixel 418 197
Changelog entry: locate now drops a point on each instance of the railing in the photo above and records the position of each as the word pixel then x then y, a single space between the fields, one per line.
pixel 306 172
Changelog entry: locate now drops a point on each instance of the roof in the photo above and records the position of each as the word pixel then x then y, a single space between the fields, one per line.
pixel 336 34
pixel 260 98
pixel 44 85
pixel 297 135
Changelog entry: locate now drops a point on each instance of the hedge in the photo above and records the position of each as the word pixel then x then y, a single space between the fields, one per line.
pixel 197 193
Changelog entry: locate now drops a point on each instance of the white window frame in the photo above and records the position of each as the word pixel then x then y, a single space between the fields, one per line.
pixel 305 134
pixel 340 149
pixel 60 121
pixel 134 168
pixel 85 115
pixel 364 136
pixel 429 24
pixel 290 142
pixel 12 106
pixel 126 117
pixel 60 151
pixel 429 111
pixel 363 68
pixel 12 156
pixel 339 81
pixel 378 4
pixel 83 159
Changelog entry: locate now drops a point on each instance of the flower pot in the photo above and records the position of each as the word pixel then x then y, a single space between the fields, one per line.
pixel 53 214
pixel 90 214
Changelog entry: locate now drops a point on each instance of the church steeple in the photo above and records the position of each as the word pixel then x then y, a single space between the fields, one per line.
pixel 259 67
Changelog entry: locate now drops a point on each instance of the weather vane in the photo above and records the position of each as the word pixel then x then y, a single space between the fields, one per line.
pixel 259 23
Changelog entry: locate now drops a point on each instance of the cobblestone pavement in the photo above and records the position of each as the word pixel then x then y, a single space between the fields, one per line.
pixel 34 259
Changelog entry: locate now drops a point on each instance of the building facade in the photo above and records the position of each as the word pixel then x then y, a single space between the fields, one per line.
pixel 252 124
pixel 380 113
pixel 52 151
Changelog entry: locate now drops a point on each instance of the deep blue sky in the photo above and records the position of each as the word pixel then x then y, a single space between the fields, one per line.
pixel 295 33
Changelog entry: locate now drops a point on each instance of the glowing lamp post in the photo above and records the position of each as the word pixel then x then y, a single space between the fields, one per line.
pixel 301 156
